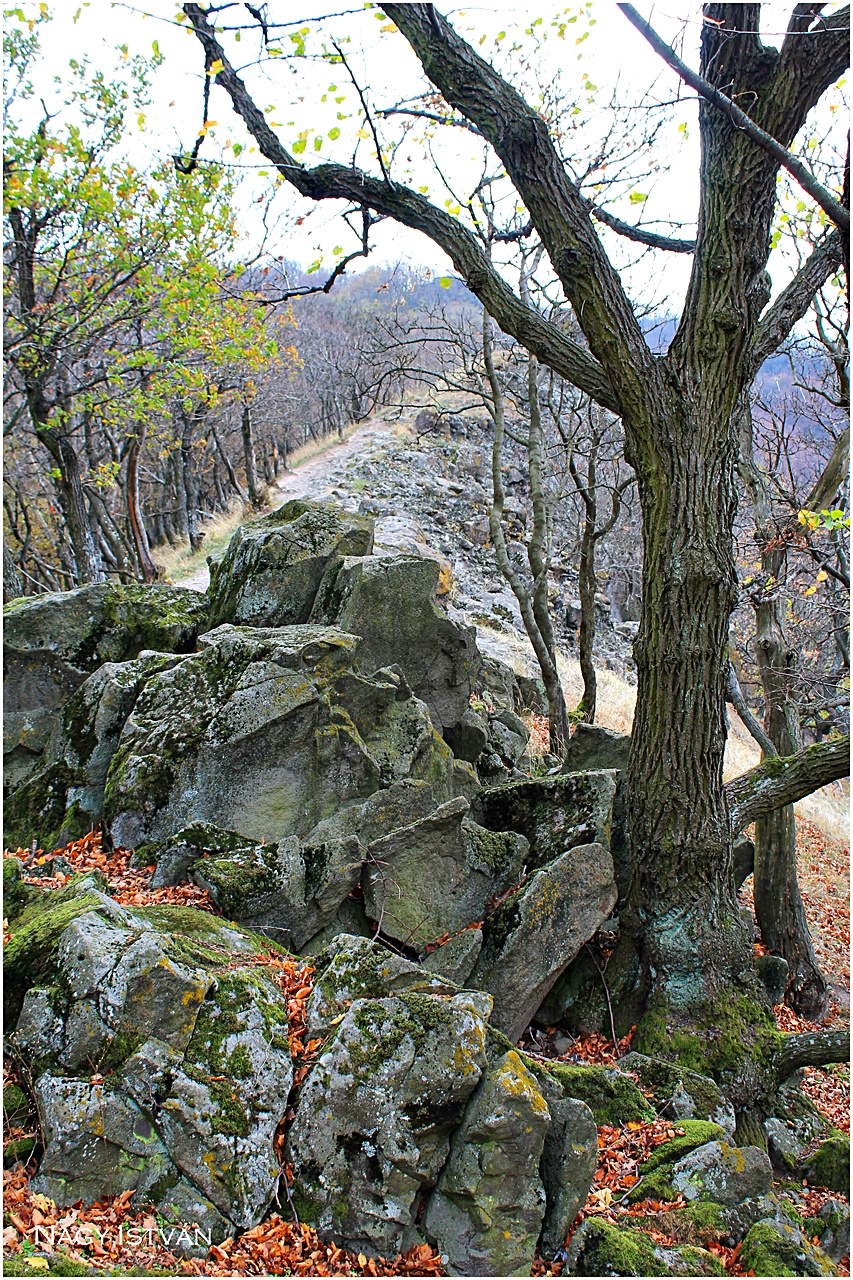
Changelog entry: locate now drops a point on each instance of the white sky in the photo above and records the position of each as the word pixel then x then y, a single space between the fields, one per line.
pixel 611 53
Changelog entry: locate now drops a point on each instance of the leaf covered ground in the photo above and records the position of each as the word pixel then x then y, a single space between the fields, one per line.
pixel 280 1245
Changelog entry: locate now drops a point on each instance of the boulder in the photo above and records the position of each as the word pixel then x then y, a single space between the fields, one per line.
pixel 456 958
pixel 273 566
pixel 402 535
pixel 783 1146
pixel 681 1094
pixel 612 1095
pixel 497 685
pixel 593 747
pixel 508 738
pixel 829 1165
pixel 65 797
pixel 158 1049
pixel 375 1114
pixel 772 1248
pixel 600 1249
pixel 390 602
pixel 487 1209
pixel 52 642
pixel 469 736
pixel 538 930
pixel 567 1167
pixel 835 1233
pixel 265 732
pixel 554 814
pixel 437 875
pixel 722 1173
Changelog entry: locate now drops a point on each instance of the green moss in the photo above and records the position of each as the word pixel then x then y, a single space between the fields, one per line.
pixel 16 894
pixel 306 1210
pixel 612 1096
pixel 122 1046
pixel 701 1223
pixel 696 1134
pixel 19 1150
pixel 714 1038
pixel 771 1251
pixel 239 1063
pixel 36 810
pixel 611 1251
pixel 35 933
pixel 655 1186
pixel 230 1117
pixel 829 1166
pixel 384 1032
pixel 16 1105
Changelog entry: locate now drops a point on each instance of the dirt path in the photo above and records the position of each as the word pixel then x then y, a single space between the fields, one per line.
pixel 314 477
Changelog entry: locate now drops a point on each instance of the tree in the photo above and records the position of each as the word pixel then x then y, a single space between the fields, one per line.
pixel 681 919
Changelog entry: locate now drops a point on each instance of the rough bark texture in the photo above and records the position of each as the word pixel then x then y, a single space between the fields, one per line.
pixel 785 780
pixel 255 496
pixel 814 1049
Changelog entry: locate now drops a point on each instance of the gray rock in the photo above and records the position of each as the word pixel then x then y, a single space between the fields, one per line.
pixel 374 1115
pixel 835 1240
pixel 783 1146
pixel 569 1160
pixel 487 1209
pixel 554 814
pixel 260 733
pixel 96 1142
pixel 189 1222
pixel 272 567
pixel 497 684
pixel 508 737
pixel 437 875
pixel 456 958
pixel 468 737
pixel 533 936
pixel 724 1174
pixel 782 1247
pixel 682 1094
pixel 391 604
pixel 354 968
pixel 594 747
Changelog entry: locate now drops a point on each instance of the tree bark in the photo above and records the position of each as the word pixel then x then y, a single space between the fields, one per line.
pixel 72 499
pixel 147 567
pixel 785 780
pixel 256 497
pixel 814 1049
pixel 190 494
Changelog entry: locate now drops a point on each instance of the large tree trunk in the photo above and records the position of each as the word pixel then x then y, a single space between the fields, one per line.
pixel 190 494
pixel 147 567
pixel 586 591
pixel 256 497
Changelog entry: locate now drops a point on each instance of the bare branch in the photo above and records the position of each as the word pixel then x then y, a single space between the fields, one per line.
pixel 784 780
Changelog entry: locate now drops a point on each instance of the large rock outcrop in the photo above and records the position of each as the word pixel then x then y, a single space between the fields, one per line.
pixel 52 642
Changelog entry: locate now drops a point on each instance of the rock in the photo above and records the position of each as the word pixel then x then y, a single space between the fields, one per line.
pixel 835 1238
pixel 530 939
pixel 569 1160
pixel 402 535
pixel 508 737
pixel 176 855
pixel 189 1222
pixel 611 1094
pixel 682 1094
pixel 52 642
pixel 390 603
pixel 65 798
pixel 194 1054
pixel 498 685
pixel 554 814
pixel 772 1248
pixel 456 958
pixel 743 852
pixel 487 1209
pixel 600 1249
pixel 829 1166
pixel 374 1116
pixel 16 1108
pixel 627 630
pixel 773 972
pixel 437 875
pixel 783 1146
pixel 272 567
pixel 593 747
pixel 265 732
pixel 724 1174
pixel 354 968
pixel 476 530
pixel 468 737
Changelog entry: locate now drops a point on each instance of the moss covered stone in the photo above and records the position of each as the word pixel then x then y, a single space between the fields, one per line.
pixel 612 1096
pixel 35 933
pixel 696 1134
pixel 775 1249
pixel 829 1166
pixel 601 1249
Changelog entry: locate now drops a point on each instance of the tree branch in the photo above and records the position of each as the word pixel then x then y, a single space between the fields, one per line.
pixel 734 695
pixel 833 208
pixel 521 139
pixel 795 299
pixel 338 182
pixel 814 1049
pixel 784 780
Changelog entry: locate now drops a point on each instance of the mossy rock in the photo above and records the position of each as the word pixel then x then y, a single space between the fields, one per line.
pixel 16 894
pixel 700 1223
pixel 612 1096
pixel 696 1134
pixel 16 1107
pixel 774 1249
pixel 600 1249
pixel 35 933
pixel 829 1166
pixel 18 1151
pixel 684 1094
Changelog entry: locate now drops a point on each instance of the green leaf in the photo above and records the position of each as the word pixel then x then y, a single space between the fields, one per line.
pixel 446 282
pixel 299 146
pixel 334 134
pixel 318 142
pixel 637 197
pixel 337 249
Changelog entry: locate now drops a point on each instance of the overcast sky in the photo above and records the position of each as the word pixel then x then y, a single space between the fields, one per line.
pixel 606 52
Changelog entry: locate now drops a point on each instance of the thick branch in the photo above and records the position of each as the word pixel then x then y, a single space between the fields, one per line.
pixel 795 299
pixel 833 475
pixel 734 695
pixel 784 780
pixel 337 182
pixel 814 1049
pixel 521 139
pixel 833 208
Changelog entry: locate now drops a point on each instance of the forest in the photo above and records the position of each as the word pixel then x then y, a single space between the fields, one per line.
pixel 426 659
